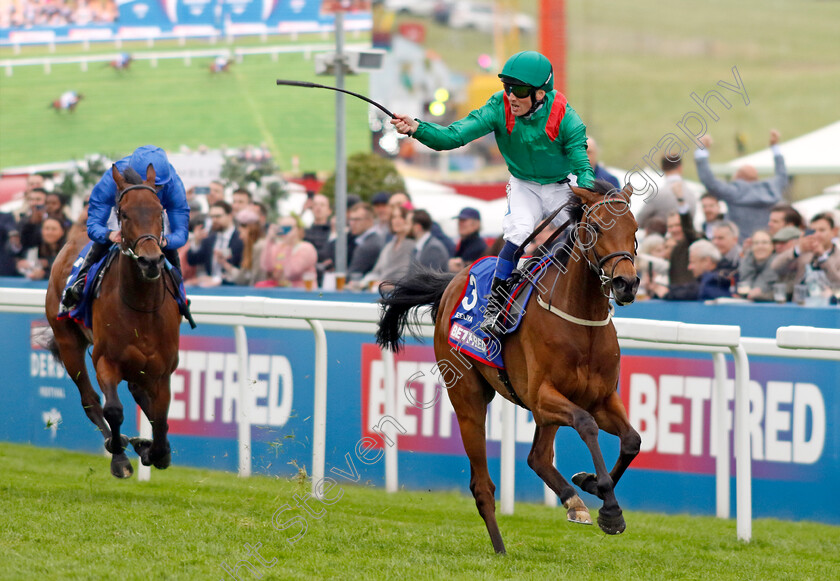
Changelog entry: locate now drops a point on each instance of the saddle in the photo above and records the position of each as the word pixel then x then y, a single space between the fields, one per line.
pixel 83 313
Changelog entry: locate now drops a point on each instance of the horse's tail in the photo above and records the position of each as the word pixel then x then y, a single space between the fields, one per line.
pixel 45 338
pixel 421 286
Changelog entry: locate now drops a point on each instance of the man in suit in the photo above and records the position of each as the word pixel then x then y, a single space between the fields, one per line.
pixel 748 199
pixel 223 242
pixel 428 250
pixel 367 242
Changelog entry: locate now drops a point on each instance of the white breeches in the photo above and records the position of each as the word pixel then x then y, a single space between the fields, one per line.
pixel 529 203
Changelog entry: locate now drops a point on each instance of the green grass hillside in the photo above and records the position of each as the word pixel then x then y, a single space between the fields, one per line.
pixel 62 516
pixel 173 105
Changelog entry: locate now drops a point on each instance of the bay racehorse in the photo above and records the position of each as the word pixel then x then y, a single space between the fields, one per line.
pixel 135 329
pixel 562 361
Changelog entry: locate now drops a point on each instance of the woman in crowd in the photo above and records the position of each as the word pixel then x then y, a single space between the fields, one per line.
pixel 755 272
pixel 653 264
pixel 287 257
pixel 395 257
pixel 39 260
pixel 250 272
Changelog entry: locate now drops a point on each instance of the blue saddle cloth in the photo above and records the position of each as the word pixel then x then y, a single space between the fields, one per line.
pixel 83 312
pixel 464 332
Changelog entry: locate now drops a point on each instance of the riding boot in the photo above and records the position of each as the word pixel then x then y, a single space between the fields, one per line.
pixel 175 272
pixel 494 315
pixel 73 293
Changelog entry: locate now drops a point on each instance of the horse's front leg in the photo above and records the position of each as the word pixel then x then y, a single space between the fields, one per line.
pixel 612 418
pixel 108 376
pixel 541 461
pixel 554 408
pixel 159 453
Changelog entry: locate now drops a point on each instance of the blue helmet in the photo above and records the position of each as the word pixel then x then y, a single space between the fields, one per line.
pixel 149 154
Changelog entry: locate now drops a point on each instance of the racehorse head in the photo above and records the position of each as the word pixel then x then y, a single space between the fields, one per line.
pixel 607 236
pixel 140 215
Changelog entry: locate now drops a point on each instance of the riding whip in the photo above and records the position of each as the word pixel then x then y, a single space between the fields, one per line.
pixel 309 85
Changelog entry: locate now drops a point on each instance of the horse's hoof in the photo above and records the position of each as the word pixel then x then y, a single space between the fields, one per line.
pixel 612 524
pixel 163 463
pixel 140 444
pixel 123 442
pixel 121 466
pixel 587 482
pixel 577 512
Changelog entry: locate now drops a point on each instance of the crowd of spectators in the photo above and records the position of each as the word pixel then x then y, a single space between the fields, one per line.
pixel 755 248
pixel 760 249
pixel 238 247
pixel 29 13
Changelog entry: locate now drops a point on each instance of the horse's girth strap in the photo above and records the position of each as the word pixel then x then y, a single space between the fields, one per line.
pixel 503 377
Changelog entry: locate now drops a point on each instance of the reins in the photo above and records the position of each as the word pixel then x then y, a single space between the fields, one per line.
pixel 596 265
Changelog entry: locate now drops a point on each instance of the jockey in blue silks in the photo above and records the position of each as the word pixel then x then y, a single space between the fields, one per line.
pixel 103 200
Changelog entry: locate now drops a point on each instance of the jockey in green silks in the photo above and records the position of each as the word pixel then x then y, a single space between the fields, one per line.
pixel 542 140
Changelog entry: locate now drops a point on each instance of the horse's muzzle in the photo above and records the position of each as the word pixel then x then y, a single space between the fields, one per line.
pixel 150 267
pixel 624 289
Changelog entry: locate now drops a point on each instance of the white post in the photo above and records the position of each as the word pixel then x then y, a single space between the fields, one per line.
pixel 548 495
pixel 508 460
pixel 721 431
pixel 144 473
pixel 244 405
pixel 391 452
pixel 118 43
pixel 319 414
pixel 743 452
pixel 84 66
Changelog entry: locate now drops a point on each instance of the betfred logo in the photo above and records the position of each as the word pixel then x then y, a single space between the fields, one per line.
pixel 205 389
pixel 669 402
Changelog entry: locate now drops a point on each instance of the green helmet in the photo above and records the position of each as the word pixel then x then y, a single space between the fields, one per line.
pixel 529 68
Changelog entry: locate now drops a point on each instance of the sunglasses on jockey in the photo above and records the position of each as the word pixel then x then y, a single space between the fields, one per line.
pixel 519 91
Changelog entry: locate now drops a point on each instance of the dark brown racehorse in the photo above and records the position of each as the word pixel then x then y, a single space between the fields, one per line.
pixel 136 326
pixel 562 361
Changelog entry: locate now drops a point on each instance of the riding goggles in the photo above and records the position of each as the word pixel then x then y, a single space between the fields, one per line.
pixel 519 91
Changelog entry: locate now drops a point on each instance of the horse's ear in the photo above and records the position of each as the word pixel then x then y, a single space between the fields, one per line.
pixel 150 174
pixel 118 178
pixel 627 192
pixel 586 196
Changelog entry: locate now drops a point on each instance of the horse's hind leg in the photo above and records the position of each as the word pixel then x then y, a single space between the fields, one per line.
pixel 612 418
pixel 470 396
pixel 541 461
pixel 553 408
pixel 108 377
pixel 71 346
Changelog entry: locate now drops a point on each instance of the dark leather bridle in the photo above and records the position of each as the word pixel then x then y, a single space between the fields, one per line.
pixel 129 249
pixel 597 263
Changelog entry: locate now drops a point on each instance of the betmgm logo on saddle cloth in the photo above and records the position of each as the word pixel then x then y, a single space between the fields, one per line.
pixel 464 332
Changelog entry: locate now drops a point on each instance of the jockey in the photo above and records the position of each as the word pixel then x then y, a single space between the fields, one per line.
pixel 69 100
pixel 542 140
pixel 220 65
pixel 122 61
pixel 102 204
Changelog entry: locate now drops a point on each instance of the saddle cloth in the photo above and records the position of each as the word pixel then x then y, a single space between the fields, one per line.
pixel 83 312
pixel 464 333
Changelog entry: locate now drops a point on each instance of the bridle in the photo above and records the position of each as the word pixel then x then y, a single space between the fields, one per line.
pixel 129 249
pixel 596 264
